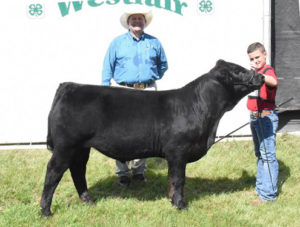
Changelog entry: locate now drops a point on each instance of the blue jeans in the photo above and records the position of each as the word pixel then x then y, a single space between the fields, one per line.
pixel 138 166
pixel 264 138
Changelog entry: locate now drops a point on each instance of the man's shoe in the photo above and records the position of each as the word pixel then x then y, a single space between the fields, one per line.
pixel 124 181
pixel 139 177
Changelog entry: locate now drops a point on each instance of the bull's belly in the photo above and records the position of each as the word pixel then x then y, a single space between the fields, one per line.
pixel 129 150
pixel 128 153
pixel 196 152
pixel 196 157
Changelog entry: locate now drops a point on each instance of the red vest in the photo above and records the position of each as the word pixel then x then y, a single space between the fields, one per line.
pixel 264 98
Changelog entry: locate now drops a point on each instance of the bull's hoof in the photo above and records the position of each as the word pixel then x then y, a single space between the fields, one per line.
pixel 86 198
pixel 180 205
pixel 46 213
pixel 89 202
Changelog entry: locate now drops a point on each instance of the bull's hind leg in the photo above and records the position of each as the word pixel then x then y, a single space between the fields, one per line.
pixel 56 167
pixel 78 171
pixel 176 183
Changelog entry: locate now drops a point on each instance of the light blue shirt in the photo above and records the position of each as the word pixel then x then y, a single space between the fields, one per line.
pixel 129 60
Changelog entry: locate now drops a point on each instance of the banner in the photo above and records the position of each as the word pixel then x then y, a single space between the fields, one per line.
pixel 46 42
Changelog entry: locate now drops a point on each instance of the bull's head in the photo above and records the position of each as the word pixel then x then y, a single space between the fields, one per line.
pixel 237 79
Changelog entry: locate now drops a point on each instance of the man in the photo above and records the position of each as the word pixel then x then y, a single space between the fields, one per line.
pixel 134 60
pixel 263 123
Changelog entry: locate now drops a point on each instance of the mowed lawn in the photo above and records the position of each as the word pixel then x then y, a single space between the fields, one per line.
pixel 219 190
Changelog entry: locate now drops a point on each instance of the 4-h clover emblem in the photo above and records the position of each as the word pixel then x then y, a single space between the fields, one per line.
pixel 35 10
pixel 205 7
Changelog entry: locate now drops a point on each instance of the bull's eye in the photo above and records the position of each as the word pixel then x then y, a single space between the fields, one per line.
pixel 238 73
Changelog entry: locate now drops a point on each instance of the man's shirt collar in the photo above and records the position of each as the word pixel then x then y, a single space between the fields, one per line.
pixel 142 37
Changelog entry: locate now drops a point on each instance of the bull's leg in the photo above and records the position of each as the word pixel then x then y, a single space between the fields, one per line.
pixel 171 189
pixel 78 171
pixel 176 183
pixel 55 170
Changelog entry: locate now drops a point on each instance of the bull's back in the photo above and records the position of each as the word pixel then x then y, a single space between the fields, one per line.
pixel 87 113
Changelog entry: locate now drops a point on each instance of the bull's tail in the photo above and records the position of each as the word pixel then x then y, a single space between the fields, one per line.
pixel 58 94
pixel 49 140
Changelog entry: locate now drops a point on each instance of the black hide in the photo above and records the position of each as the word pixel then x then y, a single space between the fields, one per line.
pixel 178 125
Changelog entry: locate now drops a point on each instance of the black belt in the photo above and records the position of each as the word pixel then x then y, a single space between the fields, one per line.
pixel 138 85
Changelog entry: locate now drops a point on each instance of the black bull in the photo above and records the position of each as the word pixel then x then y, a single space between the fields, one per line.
pixel 178 125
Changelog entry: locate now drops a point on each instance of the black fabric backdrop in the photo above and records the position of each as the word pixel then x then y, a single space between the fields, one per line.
pixel 286 51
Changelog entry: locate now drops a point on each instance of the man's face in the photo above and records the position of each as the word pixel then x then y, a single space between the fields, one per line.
pixel 136 22
pixel 257 59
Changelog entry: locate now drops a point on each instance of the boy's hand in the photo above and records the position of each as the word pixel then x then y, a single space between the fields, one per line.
pixel 253 65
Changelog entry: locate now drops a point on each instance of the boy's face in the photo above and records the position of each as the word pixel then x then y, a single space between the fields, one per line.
pixel 257 59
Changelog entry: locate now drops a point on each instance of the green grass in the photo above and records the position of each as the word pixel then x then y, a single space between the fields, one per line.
pixel 218 190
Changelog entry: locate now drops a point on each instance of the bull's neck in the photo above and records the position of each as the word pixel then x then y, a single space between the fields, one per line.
pixel 219 99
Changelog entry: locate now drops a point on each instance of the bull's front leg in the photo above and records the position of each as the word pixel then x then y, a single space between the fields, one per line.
pixel 176 183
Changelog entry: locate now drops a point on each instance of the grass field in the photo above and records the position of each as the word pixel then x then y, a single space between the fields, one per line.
pixel 219 190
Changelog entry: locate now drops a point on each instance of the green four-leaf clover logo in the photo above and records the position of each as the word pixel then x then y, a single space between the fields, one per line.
pixel 35 10
pixel 205 6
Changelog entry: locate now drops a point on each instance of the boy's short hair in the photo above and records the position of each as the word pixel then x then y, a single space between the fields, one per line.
pixel 256 46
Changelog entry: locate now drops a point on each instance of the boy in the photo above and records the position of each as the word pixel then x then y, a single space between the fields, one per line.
pixel 264 123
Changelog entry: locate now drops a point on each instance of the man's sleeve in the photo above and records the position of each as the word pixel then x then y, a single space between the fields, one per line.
pixel 108 66
pixel 162 63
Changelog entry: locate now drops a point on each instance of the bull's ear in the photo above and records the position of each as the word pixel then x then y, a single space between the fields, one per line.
pixel 220 62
